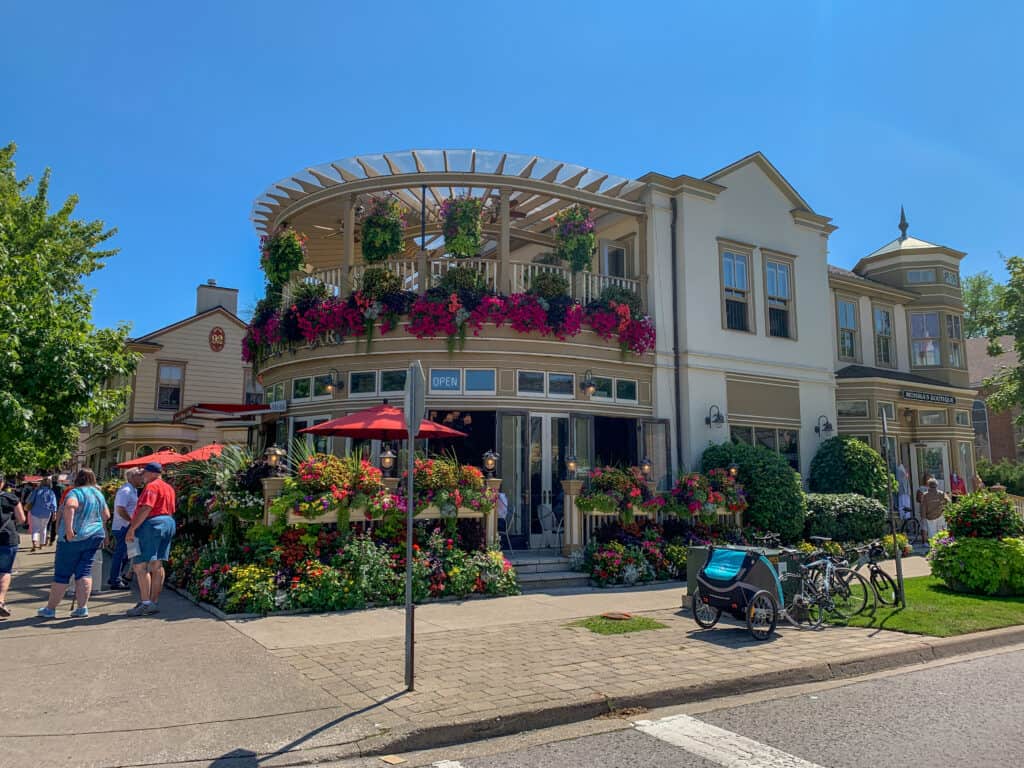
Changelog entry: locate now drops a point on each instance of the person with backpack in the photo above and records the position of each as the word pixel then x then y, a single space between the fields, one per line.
pixel 80 533
pixel 42 505
pixel 11 516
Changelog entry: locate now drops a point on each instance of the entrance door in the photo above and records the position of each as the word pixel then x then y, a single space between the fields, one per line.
pixel 548 441
pixel 932 458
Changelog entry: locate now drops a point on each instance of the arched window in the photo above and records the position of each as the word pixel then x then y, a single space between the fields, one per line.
pixel 144 450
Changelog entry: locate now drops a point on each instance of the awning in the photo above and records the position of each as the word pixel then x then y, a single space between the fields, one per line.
pixel 220 411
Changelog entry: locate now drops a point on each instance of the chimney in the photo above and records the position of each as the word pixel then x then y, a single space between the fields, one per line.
pixel 211 295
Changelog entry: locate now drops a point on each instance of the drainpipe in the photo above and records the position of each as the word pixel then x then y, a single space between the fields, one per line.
pixel 675 336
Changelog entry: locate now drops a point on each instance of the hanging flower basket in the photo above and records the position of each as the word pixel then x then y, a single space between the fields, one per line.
pixel 281 253
pixel 574 237
pixel 462 231
pixel 382 230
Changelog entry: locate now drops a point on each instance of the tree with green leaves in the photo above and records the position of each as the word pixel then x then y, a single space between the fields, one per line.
pixel 1007 385
pixel 983 313
pixel 55 366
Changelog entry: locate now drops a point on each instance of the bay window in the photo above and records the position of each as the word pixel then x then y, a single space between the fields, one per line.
pixel 846 312
pixel 924 339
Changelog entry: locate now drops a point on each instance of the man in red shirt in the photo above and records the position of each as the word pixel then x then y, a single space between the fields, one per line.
pixel 153 525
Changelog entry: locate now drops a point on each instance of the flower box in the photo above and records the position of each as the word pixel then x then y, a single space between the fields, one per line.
pixel 434 511
pixel 358 515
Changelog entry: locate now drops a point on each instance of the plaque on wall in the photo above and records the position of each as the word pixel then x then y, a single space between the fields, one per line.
pixel 217 338
pixel 927 397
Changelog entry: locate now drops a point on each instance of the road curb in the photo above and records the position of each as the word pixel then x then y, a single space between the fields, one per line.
pixel 926 650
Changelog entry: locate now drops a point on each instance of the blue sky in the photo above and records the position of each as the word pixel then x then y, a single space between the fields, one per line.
pixel 168 119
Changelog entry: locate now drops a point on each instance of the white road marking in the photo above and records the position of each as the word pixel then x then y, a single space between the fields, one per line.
pixel 447 764
pixel 718 745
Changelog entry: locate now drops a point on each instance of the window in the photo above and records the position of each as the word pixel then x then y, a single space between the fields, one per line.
pixel 301 389
pixel 918 276
pixel 951 278
pixel 736 291
pixel 884 352
pixel 888 446
pixel 766 438
pixel 847 314
pixel 168 391
pixel 924 338
pixel 605 388
pixel 857 409
pixel 560 385
pixel 531 383
pixel 741 435
pixel 392 382
pixel 966 456
pixel 323 385
pixel 614 259
pixel 778 290
pixel 362 383
pixel 789 447
pixel 888 409
pixel 253 389
pixel 979 420
pixel 954 331
pixel 446 380
pixel 931 418
pixel 625 390
pixel 274 393
pixel 963 418
pixel 785 442
pixel 480 381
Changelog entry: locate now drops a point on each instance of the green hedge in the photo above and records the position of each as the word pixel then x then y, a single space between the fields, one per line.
pixel 844 464
pixel 1006 472
pixel 983 515
pixel 772 487
pixel 985 566
pixel 844 516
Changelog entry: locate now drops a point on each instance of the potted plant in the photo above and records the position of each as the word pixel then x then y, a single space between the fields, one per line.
pixel 614 490
pixel 574 236
pixel 382 230
pixel 281 253
pixel 460 218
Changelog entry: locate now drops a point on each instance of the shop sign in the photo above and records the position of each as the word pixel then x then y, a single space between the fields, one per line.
pixel 927 397
pixel 445 380
pixel 217 339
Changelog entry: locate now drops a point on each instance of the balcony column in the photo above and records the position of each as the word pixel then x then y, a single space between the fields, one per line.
pixel 503 278
pixel 348 240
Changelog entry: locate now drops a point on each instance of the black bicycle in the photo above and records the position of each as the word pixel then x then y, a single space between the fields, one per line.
pixel 880 581
pixel 911 528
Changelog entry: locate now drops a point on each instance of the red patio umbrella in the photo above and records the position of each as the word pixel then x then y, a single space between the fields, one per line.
pixel 161 457
pixel 381 422
pixel 205 453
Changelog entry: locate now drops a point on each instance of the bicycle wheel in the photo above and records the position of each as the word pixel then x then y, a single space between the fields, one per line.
pixel 797 610
pixel 850 593
pixel 762 615
pixel 912 530
pixel 884 586
pixel 705 615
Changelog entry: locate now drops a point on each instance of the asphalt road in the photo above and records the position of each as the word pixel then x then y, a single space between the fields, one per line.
pixel 969 713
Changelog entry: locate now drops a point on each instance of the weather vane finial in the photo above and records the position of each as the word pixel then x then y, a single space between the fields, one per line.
pixel 903 225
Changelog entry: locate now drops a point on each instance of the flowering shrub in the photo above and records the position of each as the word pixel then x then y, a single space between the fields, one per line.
pixel 987 566
pixel 461 225
pixel 382 230
pixel 983 515
pixel 574 236
pixel 615 490
pixel 252 590
pixel 324 483
pixel 448 485
pixel 281 253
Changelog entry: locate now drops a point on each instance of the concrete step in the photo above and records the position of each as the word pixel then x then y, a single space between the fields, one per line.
pixel 545 580
pixel 540 566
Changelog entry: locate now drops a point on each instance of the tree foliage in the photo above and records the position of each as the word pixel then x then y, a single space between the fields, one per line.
pixel 1007 384
pixel 844 464
pixel 983 312
pixel 54 364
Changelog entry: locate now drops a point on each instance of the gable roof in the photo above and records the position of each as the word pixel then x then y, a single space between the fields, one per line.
pixel 187 321
pixel 981 365
pixel 762 162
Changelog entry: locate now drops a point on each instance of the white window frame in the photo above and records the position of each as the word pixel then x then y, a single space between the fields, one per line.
pixel 889 407
pixel 891 363
pixel 380 382
pixel 474 392
pixel 852 416
pixel 307 398
pixel 602 398
pixel 572 386
pixel 544 378
pixel 937 340
pixel 955 342
pixel 854 330
pixel 181 384
pixel 363 395
pixel 312 388
pixel 920 273
pixel 292 434
pixel 636 386
pixel 939 411
pixel 607 245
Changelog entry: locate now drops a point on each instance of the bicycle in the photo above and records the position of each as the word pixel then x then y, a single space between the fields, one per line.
pixel 910 527
pixel 881 582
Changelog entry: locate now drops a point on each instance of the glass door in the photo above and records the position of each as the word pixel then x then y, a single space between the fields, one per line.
pixel 933 459
pixel 548 445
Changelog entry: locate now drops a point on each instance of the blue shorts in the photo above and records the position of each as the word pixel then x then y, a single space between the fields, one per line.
pixel 154 537
pixel 7 555
pixel 74 558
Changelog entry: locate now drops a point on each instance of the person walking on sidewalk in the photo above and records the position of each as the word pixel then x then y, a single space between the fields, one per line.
pixel 11 516
pixel 933 508
pixel 80 532
pixel 153 524
pixel 124 506
pixel 42 505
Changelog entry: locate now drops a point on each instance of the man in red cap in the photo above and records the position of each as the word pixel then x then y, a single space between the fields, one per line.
pixel 153 525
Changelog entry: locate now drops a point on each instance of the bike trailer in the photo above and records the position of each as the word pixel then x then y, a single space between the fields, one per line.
pixel 731 577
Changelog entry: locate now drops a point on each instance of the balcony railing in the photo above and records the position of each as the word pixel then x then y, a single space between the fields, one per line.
pixel 584 286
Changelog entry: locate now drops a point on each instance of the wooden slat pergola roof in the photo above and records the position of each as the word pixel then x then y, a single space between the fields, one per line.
pixel 537 187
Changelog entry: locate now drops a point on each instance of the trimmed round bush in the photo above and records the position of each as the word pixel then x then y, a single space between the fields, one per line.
pixel 772 487
pixel 844 516
pixel 983 515
pixel 844 464
pixel 984 566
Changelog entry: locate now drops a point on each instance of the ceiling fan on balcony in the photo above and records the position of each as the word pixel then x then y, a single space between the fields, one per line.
pixel 336 231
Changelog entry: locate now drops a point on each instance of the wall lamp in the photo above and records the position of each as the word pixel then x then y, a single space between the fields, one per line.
pixel 275 457
pixel 715 417
pixel 588 385
pixel 823 427
pixel 387 462
pixel 490 461
pixel 646 467
pixel 571 465
pixel 337 383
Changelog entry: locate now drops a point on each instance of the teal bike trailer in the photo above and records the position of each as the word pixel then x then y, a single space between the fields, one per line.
pixel 742 583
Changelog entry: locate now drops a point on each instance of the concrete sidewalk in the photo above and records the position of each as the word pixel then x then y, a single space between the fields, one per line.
pixel 182 686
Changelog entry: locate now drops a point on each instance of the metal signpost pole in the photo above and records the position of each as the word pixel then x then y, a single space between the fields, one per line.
pixel 414 405
pixel 893 513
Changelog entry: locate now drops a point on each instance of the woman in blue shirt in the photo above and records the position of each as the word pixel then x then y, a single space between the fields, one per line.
pixel 80 532
pixel 42 504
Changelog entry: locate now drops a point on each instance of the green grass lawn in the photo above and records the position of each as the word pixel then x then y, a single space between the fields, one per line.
pixel 603 626
pixel 933 609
